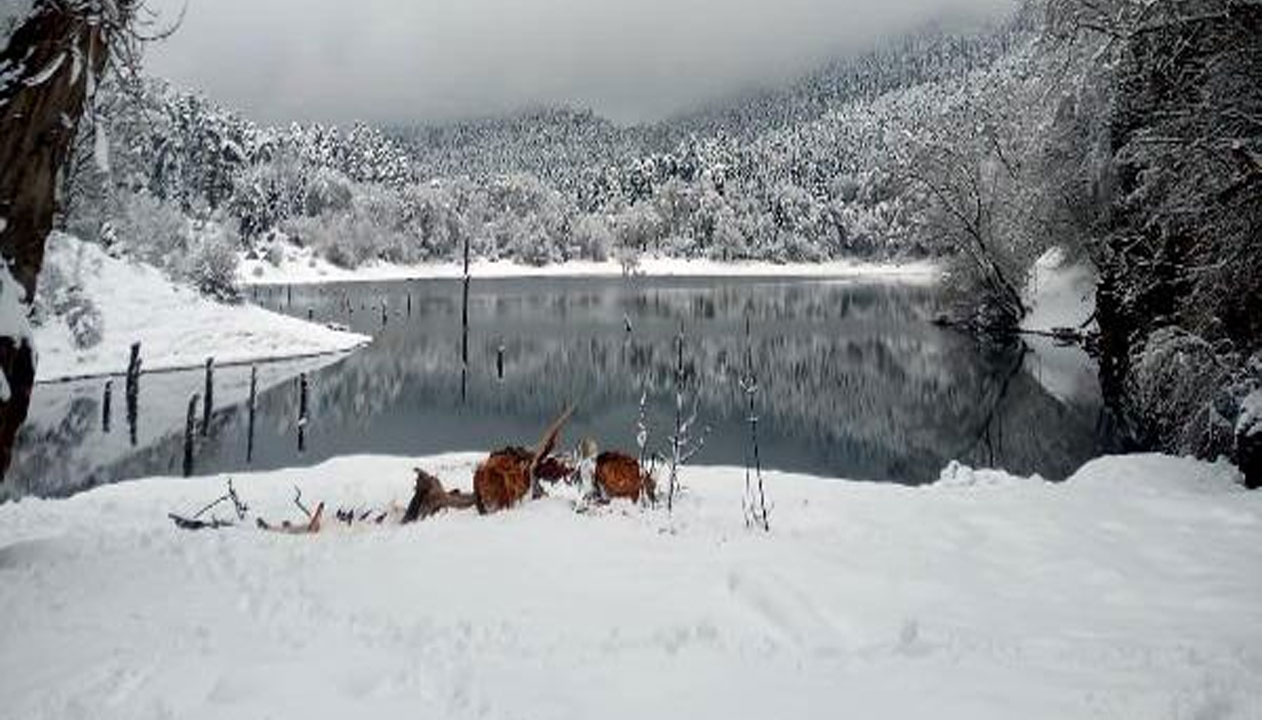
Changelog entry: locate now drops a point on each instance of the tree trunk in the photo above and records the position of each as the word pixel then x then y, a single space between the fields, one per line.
pixel 46 72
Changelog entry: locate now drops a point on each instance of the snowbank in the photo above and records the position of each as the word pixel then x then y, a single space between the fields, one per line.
pixel 1058 293
pixel 177 326
pixel 1113 595
pixel 300 266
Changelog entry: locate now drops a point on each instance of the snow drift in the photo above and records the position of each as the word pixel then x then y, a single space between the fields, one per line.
pixel 987 596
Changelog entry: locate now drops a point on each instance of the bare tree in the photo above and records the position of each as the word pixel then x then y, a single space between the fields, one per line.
pixel 684 441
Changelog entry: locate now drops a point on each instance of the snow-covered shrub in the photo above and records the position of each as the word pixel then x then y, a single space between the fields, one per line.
pixel 59 295
pixel 591 238
pixel 275 253
pixel 152 231
pixel 83 319
pixel 212 263
pixel 637 227
pixel 326 191
pixel 1176 384
pixel 629 259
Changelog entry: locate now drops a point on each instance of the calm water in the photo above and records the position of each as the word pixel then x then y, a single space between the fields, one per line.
pixel 854 382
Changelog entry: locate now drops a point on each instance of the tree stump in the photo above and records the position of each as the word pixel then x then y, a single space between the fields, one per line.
pixel 618 475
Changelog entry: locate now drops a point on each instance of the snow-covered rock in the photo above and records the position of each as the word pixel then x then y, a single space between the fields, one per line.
pixel 1112 595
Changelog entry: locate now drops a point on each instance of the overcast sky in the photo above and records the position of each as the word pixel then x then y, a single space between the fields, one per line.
pixel 398 60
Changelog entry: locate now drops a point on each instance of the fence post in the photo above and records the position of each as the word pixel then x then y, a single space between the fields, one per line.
pixel 131 390
pixel 106 407
pixel 188 438
pixel 303 414
pixel 208 396
pixel 253 409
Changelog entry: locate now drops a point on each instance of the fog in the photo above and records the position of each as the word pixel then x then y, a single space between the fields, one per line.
pixel 436 60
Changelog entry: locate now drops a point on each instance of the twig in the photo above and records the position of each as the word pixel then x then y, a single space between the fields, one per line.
pixel 297 500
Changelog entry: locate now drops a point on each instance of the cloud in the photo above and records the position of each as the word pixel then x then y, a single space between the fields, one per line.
pixel 399 60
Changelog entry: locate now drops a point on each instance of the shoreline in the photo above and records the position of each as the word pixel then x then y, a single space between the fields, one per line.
pixel 189 366
pixel 177 327
pixel 305 269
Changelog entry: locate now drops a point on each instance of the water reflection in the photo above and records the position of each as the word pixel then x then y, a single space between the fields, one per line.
pixel 853 382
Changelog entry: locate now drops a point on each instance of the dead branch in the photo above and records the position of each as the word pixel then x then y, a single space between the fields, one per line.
pixel 297 500
pixel 430 497
pixel 288 528
pixel 195 522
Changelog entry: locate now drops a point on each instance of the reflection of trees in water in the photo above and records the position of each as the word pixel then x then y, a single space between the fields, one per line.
pixel 63 447
pixel 854 382
pixel 44 450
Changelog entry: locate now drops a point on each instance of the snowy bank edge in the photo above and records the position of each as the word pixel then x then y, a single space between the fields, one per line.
pixel 302 272
pixel 265 359
pixel 1133 474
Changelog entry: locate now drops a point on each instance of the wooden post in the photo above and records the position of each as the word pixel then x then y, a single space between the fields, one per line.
pixel 253 409
pixel 466 295
pixel 188 438
pixel 208 397
pixel 288 294
pixel 408 304
pixel 106 407
pixel 384 312
pixel 131 390
pixel 303 413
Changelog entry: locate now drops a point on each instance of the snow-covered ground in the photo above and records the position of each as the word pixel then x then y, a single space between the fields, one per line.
pixel 1131 590
pixel 177 327
pixel 301 266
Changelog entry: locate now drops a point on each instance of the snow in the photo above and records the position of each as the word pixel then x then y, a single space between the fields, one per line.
pixel 101 147
pixel 1059 293
pixel 1132 590
pixel 12 13
pixel 177 326
pixel 13 318
pixel 300 266
pixel 1249 423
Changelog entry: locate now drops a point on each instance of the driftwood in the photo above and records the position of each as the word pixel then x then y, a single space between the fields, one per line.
pixel 507 475
pixel 430 497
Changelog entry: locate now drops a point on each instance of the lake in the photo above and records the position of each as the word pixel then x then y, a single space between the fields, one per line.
pixel 854 382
